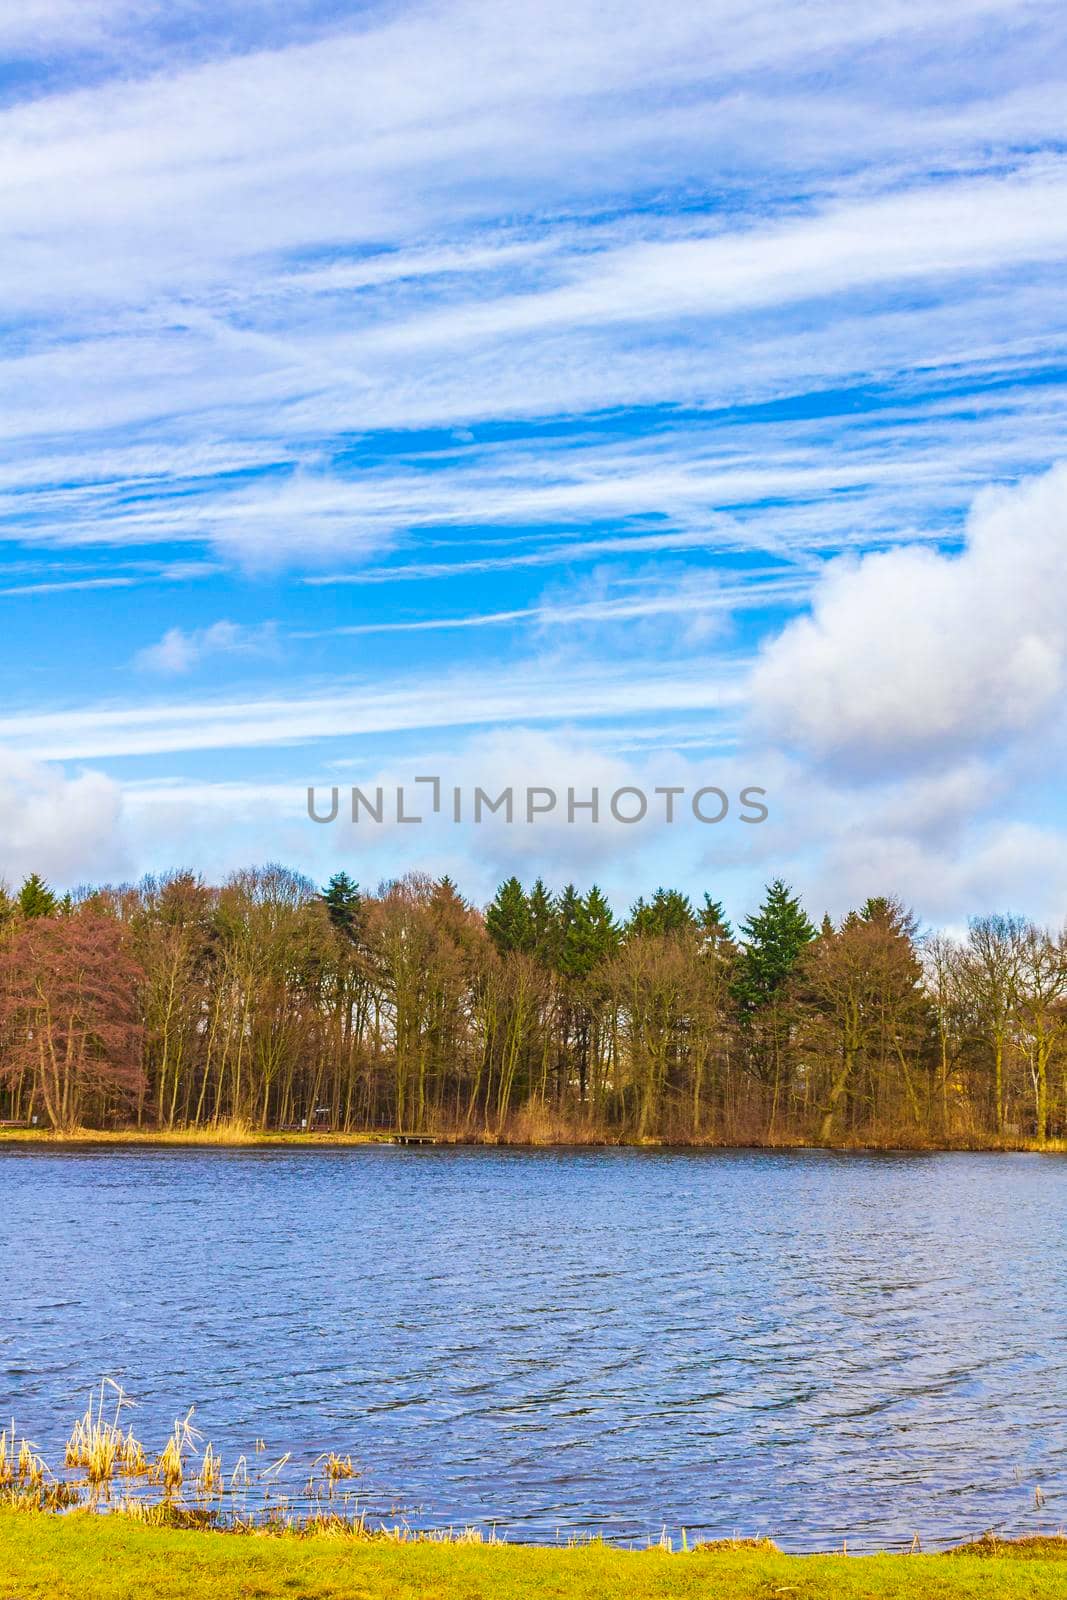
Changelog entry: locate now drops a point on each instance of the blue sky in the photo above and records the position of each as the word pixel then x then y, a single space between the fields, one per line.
pixel 556 394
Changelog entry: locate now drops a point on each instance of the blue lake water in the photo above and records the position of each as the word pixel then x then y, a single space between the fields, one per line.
pixel 811 1345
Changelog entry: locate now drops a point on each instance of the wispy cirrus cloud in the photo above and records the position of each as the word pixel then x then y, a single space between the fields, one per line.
pixel 181 650
pixel 396 322
pixel 575 690
pixel 697 601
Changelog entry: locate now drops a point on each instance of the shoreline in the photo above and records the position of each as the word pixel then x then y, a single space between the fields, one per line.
pixel 65 1557
pixel 230 1137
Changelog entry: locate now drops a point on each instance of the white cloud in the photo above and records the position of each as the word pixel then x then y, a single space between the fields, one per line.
pixel 694 606
pixel 244 253
pixel 626 857
pixel 543 690
pixel 934 231
pixel 46 24
pixel 947 844
pixel 66 828
pixel 912 656
pixel 1000 864
pixel 70 585
pixel 846 476
pixel 951 843
pixel 179 651
pixel 451 247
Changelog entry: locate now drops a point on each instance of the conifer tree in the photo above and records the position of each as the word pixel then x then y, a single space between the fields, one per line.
pixel 603 934
pixel 344 905
pixel 36 898
pixel 544 924
pixel 507 919
pixel 772 941
pixel 668 914
pixel 713 922
pixel 774 938
pixel 568 915
pixel 590 932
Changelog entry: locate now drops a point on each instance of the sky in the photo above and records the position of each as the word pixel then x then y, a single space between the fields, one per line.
pixel 569 395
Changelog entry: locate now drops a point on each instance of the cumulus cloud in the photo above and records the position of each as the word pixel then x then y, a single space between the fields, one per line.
pixel 945 842
pixel 917 657
pixel 66 828
pixel 231 821
pixel 914 716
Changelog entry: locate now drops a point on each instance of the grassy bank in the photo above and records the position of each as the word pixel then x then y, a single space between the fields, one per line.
pixel 226 1134
pixel 112 1558
pixel 239 1135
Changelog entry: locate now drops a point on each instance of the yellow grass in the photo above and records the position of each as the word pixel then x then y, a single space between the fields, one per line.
pixel 523 1132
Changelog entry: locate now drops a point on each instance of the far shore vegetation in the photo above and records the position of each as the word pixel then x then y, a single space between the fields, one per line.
pixel 516 1133
pixel 267 1010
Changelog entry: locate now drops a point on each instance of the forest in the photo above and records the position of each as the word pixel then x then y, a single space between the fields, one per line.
pixel 542 1017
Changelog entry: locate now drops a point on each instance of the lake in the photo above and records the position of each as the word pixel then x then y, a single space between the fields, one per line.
pixel 812 1345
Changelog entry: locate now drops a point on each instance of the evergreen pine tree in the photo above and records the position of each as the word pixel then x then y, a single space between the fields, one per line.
pixel 344 905
pixel 773 938
pixel 36 898
pixel 603 933
pixel 568 915
pixel 714 923
pixel 668 914
pixel 590 934
pixel 446 892
pixel 544 924
pixel 507 920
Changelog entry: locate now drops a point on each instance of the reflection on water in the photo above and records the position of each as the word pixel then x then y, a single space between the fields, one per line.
pixel 810 1345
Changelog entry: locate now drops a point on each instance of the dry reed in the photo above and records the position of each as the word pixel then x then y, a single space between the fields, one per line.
pixel 20 1465
pixel 169 1468
pixel 98 1445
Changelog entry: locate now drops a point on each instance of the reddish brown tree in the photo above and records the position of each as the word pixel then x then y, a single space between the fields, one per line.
pixel 70 1014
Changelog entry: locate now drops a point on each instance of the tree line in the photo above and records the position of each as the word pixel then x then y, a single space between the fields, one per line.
pixel 176 1003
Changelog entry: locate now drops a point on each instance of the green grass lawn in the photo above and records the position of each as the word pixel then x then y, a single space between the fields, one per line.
pixel 88 1557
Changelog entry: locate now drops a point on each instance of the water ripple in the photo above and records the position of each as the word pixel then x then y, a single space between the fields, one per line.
pixel 809 1345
